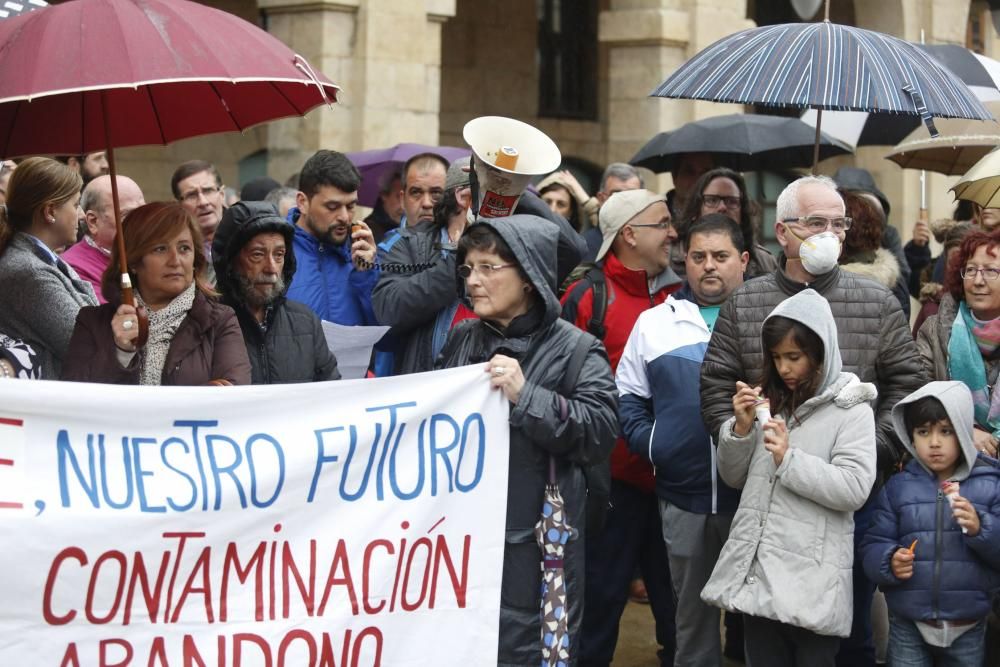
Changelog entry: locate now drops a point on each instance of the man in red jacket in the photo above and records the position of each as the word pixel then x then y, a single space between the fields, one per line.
pixel 632 275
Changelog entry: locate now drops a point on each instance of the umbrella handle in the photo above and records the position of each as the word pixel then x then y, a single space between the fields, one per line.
pixel 141 316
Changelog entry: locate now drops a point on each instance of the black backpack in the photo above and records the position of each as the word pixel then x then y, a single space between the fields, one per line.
pixel 587 276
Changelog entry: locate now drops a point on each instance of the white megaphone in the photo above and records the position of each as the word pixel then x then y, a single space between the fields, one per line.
pixel 506 154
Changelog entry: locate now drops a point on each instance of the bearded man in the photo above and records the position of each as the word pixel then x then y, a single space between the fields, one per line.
pixel 254 264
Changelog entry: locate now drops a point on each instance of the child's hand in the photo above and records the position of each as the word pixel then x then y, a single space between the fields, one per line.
pixel 966 516
pixel 743 402
pixel 776 439
pixel 902 564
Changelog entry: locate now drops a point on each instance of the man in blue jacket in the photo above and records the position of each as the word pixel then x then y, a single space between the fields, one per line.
pixel 335 254
pixel 660 412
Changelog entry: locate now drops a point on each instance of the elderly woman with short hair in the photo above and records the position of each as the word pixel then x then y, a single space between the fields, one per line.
pixel 193 339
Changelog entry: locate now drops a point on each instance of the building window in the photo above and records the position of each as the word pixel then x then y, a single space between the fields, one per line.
pixel 567 59
pixel 979 23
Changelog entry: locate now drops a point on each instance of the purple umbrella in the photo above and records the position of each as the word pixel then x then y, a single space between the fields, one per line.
pixel 372 164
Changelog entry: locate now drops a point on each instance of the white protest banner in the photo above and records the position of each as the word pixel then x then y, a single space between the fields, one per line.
pixel 346 523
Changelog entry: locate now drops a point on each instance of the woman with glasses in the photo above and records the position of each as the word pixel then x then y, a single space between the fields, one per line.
pixel 722 190
pixel 508 265
pixel 962 340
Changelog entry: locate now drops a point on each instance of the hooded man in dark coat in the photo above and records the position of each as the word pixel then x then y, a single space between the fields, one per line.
pixel 254 265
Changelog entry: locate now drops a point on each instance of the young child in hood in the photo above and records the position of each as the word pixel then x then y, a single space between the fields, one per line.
pixel 934 543
pixel 787 563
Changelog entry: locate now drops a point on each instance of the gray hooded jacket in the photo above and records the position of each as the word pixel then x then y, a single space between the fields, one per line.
pixel 791 546
pixel 576 429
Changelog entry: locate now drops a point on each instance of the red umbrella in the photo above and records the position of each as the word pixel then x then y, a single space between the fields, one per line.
pixel 93 75
pixel 162 70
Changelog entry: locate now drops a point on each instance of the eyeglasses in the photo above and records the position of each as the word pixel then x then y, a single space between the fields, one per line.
pixel 988 272
pixel 193 196
pixel 712 201
pixel 484 270
pixel 817 223
pixel 654 225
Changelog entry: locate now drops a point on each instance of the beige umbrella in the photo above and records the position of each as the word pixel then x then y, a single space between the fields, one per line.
pixel 981 184
pixel 960 144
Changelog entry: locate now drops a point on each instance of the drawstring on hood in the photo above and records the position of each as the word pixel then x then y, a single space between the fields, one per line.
pixel 957 401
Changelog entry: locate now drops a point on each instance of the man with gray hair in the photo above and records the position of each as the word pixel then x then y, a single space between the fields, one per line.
pixel 875 342
pixel 617 177
pixel 91 255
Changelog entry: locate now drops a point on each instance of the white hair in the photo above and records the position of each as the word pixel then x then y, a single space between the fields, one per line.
pixel 788 205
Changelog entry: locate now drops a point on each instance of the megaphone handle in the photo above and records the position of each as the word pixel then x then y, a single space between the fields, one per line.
pixel 474 187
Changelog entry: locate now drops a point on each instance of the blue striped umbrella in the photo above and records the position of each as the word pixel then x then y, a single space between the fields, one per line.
pixel 823 66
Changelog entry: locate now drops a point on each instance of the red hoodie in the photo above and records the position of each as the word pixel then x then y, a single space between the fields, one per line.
pixel 628 296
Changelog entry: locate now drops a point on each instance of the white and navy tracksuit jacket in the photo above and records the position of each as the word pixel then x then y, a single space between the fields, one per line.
pixel 658 380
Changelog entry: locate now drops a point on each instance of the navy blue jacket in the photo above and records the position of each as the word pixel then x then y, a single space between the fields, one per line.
pixel 953 574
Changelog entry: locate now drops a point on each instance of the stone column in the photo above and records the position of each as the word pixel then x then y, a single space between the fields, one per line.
pixel 647 40
pixel 385 56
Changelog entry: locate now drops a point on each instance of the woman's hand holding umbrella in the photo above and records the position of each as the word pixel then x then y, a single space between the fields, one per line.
pixel 124 327
pixel 505 373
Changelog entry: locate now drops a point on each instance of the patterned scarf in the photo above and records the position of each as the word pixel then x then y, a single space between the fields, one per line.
pixel 163 324
pixel 966 350
pixel 987 334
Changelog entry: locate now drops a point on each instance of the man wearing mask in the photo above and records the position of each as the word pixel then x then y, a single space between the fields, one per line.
pixel 874 341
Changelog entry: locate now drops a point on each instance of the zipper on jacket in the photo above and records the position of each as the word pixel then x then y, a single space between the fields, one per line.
pixel 715 476
pixel 652 432
pixel 938 538
pixel 266 365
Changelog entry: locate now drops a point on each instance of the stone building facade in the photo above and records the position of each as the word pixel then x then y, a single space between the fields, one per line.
pixel 417 70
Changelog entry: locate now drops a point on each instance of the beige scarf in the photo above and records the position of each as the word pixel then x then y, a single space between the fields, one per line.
pixel 163 324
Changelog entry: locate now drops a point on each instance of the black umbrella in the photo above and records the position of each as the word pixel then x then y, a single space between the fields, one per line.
pixel 744 142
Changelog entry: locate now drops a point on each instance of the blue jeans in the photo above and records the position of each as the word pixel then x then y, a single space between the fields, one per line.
pixel 908 649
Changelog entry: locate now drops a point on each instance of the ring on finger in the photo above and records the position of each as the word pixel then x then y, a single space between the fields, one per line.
pixel 127 324
pixel 499 370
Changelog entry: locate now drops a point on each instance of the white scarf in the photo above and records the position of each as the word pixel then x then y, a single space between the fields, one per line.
pixel 163 324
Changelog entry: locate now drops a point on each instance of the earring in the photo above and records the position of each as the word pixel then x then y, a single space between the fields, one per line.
pixel 52 220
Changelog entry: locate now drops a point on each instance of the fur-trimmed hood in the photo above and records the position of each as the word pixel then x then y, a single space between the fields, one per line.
pixel 884 269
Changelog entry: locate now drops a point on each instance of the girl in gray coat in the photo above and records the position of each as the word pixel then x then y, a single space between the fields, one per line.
pixel 787 563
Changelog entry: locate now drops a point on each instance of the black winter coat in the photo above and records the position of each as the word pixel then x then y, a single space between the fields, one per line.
pixel 292 347
pixel 410 300
pixel 577 430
